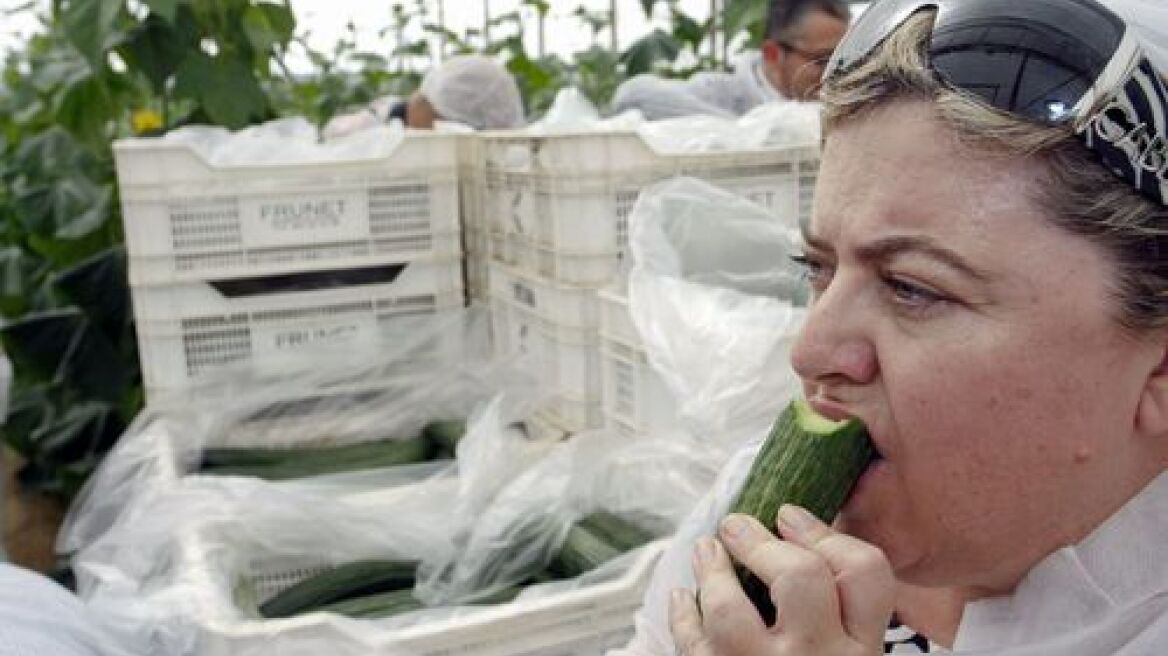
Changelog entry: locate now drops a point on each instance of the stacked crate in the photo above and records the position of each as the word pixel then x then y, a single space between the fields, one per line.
pixel 635 398
pixel 471 191
pixel 255 268
pixel 556 211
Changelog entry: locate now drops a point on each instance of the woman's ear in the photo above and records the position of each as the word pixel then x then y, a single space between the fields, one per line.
pixel 771 52
pixel 1152 413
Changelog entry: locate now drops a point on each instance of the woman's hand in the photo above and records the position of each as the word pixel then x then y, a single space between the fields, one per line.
pixel 834 594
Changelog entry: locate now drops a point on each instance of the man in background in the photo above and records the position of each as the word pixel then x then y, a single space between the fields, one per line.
pixel 800 37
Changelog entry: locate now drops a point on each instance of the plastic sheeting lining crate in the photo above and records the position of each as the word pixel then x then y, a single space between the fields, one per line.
pixel 566 358
pixel 585 621
pixel 188 332
pixel 187 219
pixel 572 193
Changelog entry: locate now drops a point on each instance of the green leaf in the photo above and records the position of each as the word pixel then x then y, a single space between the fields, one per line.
pixel 95 369
pixel 157 48
pixel 29 408
pixel 647 7
pixel 687 30
pixel 643 55
pixel 267 26
pixel 19 273
pixel 745 15
pixel 40 344
pixel 165 9
pixel 89 25
pixel 78 433
pixel 89 108
pixel 541 7
pixel 69 210
pixel 51 153
pixel 98 285
pixel 225 88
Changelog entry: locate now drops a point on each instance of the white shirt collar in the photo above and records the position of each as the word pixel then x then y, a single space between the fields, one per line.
pixel 751 67
pixel 1093 589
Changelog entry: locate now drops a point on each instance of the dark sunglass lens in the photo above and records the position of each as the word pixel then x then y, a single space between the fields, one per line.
pixel 880 18
pixel 1036 59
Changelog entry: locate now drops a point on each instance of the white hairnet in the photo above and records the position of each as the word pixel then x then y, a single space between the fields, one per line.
pixel 657 99
pixel 474 90
pixel 1149 20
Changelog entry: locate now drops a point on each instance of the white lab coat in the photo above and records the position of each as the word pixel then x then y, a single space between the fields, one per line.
pixel 718 94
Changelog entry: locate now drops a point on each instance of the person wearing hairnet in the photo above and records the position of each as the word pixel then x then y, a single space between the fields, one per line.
pixel 800 37
pixel 987 225
pixel 470 89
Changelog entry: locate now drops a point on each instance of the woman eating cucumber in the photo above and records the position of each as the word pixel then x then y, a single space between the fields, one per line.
pixel 989 259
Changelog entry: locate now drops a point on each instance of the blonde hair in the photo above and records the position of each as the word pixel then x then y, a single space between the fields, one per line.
pixel 1074 189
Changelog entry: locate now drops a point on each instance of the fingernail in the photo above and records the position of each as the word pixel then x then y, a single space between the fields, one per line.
pixel 735 527
pixel 796 518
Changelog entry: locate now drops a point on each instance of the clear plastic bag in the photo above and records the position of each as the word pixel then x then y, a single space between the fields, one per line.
pixel 342 404
pixel 717 303
pixel 191 564
pixel 653 482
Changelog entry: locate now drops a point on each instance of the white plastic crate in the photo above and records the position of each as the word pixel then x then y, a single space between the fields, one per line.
pixel 188 332
pixel 615 321
pixel 586 621
pixel 636 400
pixel 633 392
pixel 554 267
pixel 567 268
pixel 567 358
pixel 471 181
pixel 558 304
pixel 476 257
pixel 572 193
pixel 572 415
pixel 186 219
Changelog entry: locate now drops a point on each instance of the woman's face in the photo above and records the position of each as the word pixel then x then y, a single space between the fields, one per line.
pixel 979 344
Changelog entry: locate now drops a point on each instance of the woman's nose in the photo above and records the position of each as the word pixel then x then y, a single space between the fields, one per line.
pixel 835 344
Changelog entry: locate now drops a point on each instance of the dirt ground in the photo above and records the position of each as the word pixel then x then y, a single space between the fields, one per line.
pixel 30 521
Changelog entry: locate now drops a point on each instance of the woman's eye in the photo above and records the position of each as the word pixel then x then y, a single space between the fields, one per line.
pixel 911 295
pixel 813 271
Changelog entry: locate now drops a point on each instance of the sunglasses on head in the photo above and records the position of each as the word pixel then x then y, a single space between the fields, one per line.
pixel 1052 62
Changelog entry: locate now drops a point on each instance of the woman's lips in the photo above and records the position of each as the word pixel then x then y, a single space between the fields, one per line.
pixel 828 409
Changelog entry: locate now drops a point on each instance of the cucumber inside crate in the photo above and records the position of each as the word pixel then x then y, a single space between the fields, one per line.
pixel 580 622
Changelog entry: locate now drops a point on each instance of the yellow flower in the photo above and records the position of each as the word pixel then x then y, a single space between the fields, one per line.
pixel 145 120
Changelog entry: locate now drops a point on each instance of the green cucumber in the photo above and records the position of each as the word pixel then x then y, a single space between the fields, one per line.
pixel 807 460
pixel 346 581
pixel 593 541
pixel 286 463
pixel 445 435
pixel 385 604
